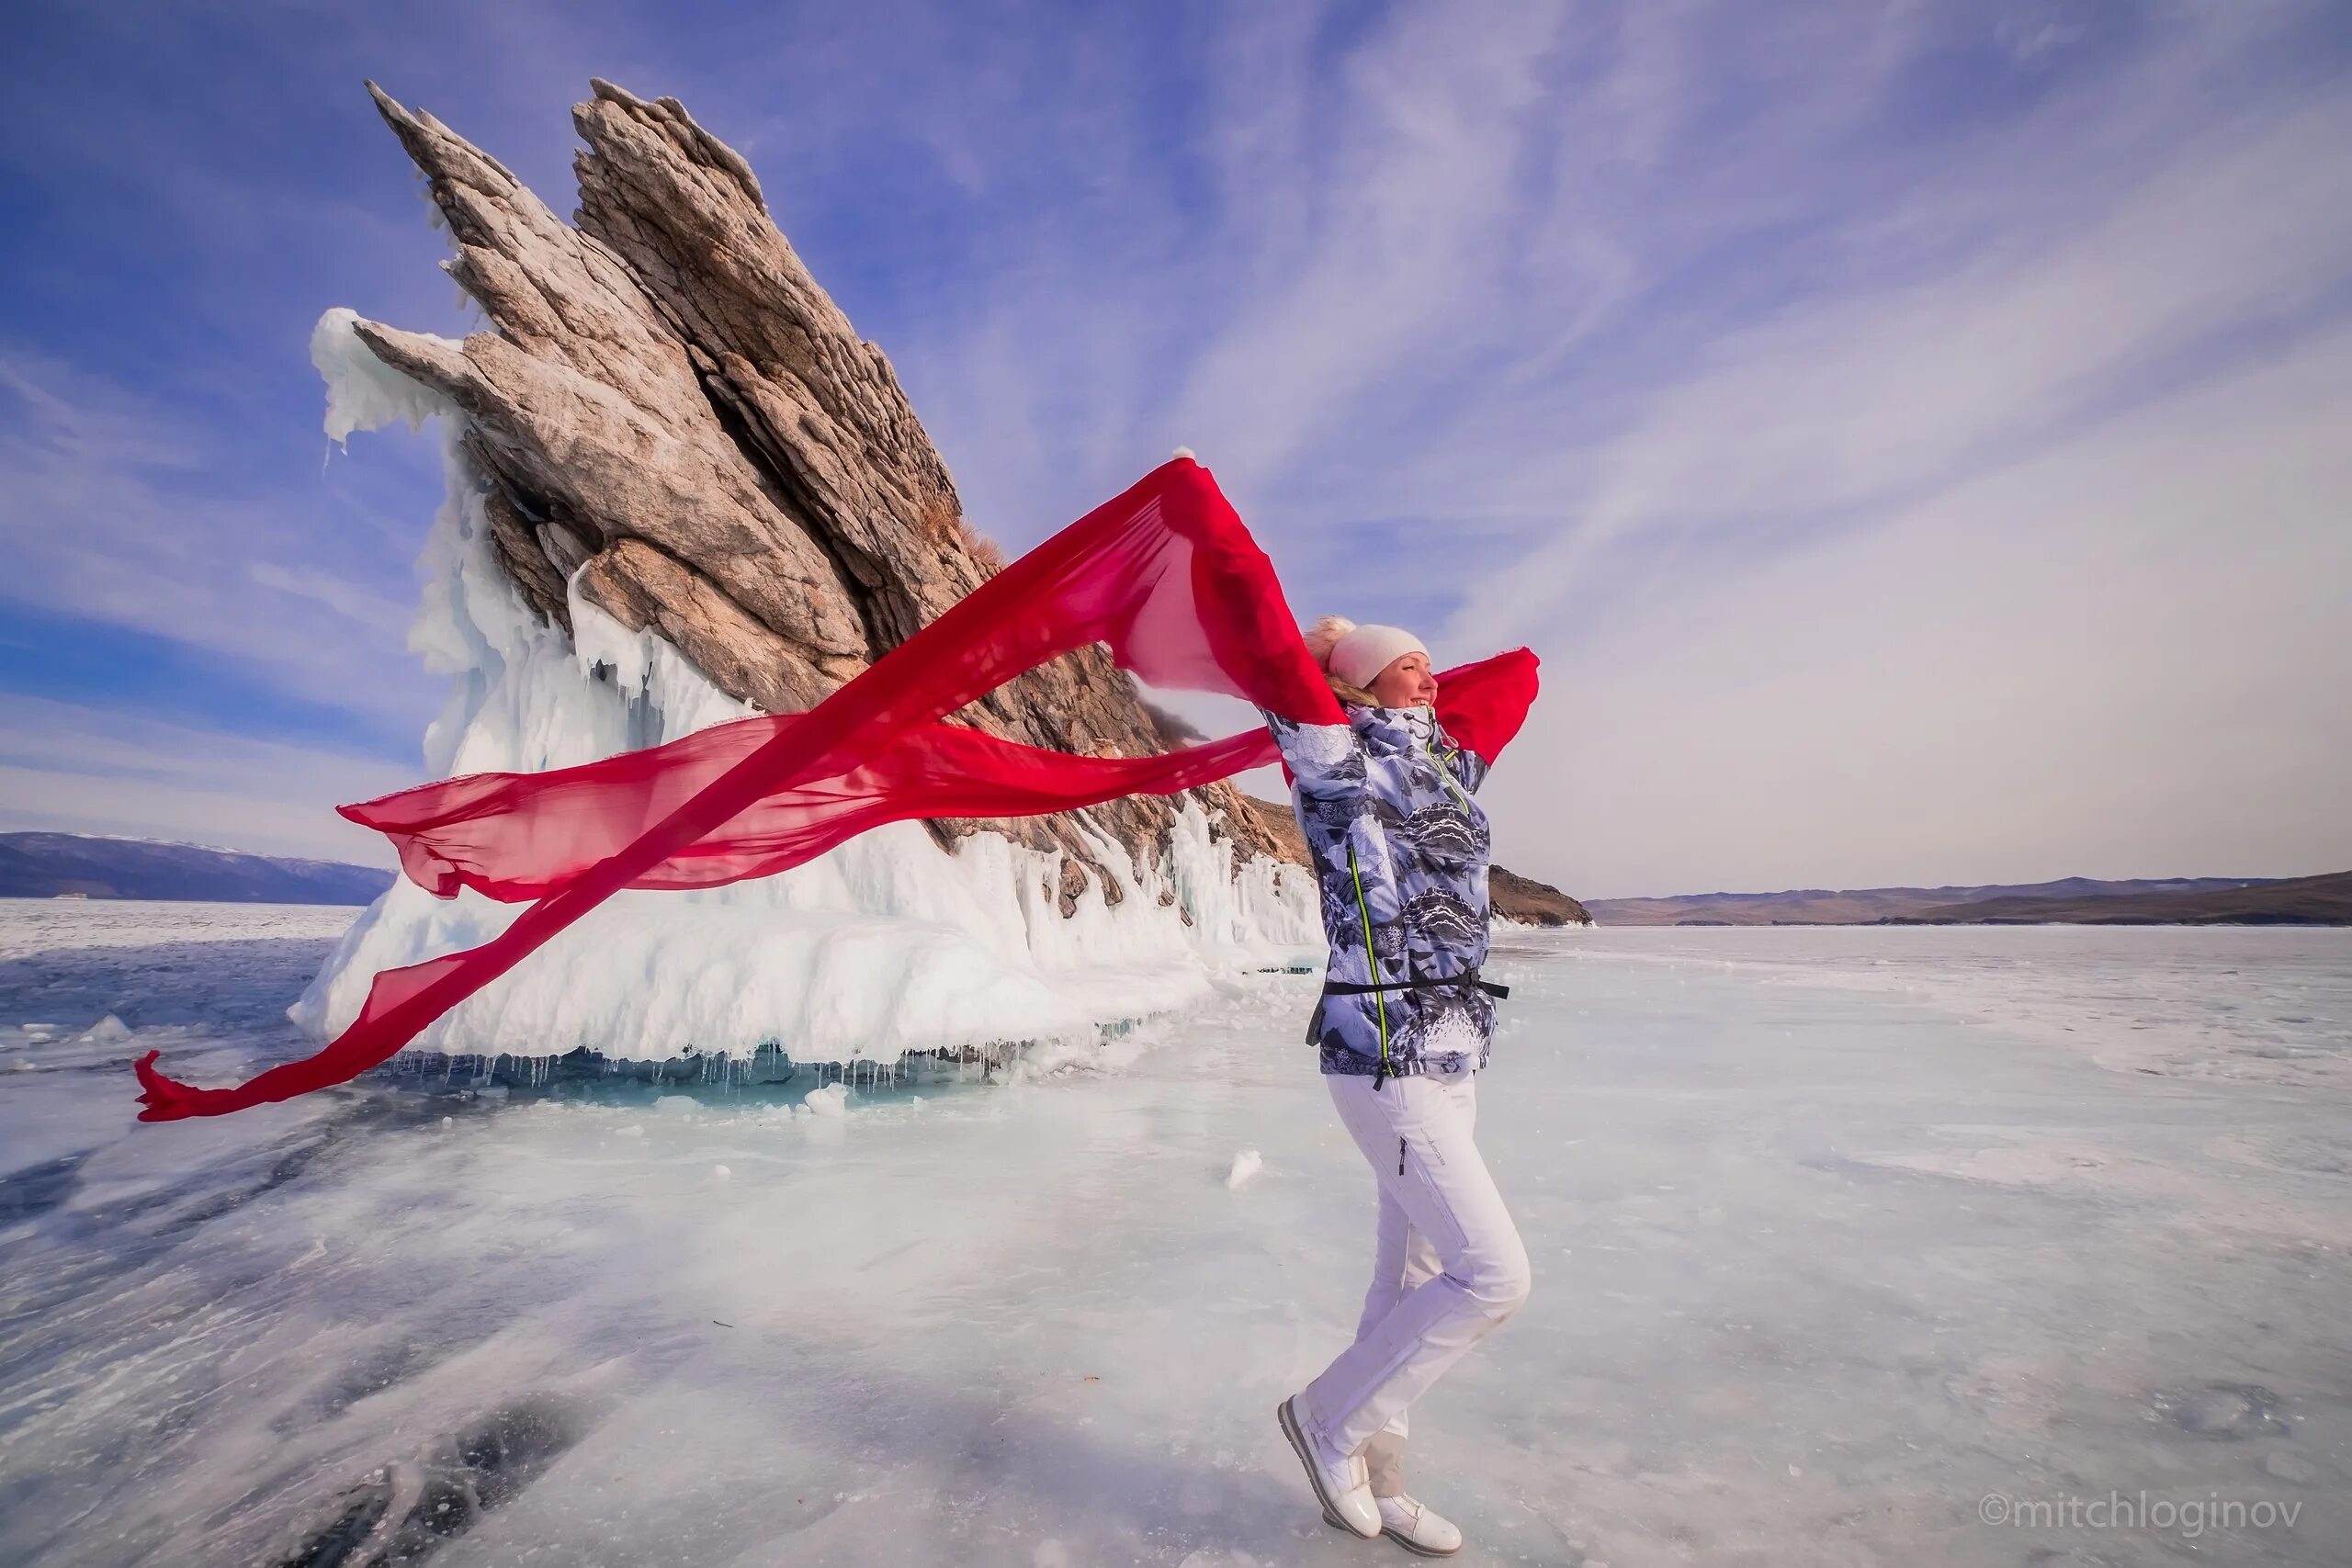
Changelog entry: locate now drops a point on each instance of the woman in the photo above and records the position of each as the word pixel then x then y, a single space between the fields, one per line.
pixel 1400 849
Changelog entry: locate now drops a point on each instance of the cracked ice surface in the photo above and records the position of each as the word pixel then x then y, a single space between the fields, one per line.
pixel 1836 1234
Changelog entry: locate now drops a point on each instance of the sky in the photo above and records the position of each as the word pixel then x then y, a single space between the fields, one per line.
pixel 1912 435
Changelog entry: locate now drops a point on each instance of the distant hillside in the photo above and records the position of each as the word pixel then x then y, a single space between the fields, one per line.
pixel 43 865
pixel 2299 901
pixel 1533 903
pixel 1866 906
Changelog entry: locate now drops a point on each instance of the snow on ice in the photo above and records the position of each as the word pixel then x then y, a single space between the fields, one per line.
pixel 1837 1234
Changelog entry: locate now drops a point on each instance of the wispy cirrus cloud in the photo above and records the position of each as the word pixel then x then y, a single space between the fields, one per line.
pixel 114 516
pixel 67 767
pixel 1716 352
pixel 1861 399
pixel 2120 652
pixel 1765 330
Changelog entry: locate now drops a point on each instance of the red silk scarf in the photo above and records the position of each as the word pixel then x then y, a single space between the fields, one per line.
pixel 1165 574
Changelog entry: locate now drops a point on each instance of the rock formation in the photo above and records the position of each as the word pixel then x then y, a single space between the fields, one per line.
pixel 1533 903
pixel 669 408
pixel 671 418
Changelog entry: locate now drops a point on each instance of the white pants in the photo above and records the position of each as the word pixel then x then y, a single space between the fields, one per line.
pixel 1448 1268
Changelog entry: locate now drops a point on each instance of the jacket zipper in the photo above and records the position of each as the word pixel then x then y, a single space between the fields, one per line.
pixel 1446 774
pixel 1372 966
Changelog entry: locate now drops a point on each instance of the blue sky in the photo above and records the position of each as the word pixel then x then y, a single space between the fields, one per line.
pixel 1912 434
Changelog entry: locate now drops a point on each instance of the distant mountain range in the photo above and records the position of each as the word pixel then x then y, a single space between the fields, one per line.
pixel 2293 901
pixel 50 866
pixel 2073 900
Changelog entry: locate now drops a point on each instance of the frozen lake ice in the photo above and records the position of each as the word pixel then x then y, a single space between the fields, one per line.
pixel 1857 1246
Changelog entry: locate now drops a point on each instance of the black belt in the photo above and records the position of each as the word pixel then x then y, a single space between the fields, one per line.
pixel 1467 978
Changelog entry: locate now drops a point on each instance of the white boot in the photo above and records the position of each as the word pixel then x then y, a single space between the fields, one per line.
pixel 1342 1486
pixel 1417 1527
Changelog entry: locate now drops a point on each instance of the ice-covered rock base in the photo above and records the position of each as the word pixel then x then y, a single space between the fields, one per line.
pixel 888 945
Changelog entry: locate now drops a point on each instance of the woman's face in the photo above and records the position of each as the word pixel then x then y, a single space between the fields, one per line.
pixel 1406 683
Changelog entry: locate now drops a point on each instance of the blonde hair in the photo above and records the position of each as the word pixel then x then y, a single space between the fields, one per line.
pixel 1320 638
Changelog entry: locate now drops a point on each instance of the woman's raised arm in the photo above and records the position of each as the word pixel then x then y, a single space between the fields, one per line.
pixel 1325 760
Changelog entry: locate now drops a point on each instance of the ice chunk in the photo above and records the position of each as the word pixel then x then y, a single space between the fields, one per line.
pixel 363 392
pixel 107 1031
pixel 831 1100
pixel 1246 1167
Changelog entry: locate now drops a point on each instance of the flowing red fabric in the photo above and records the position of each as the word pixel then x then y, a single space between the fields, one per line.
pixel 1164 575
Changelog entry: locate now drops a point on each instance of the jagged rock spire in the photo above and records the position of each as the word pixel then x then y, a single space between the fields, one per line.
pixel 669 405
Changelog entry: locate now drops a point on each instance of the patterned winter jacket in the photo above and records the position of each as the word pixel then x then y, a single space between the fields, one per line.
pixel 1400 850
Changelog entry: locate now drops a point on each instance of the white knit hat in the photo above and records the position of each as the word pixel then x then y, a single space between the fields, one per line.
pixel 1360 657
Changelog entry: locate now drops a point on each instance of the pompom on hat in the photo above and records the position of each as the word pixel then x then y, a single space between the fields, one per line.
pixel 1358 654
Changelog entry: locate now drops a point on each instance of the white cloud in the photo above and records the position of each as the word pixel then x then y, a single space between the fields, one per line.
pixel 69 768
pixel 113 513
pixel 1744 365
pixel 350 600
pixel 1743 358
pixel 1853 400
pixel 2122 657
